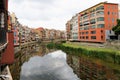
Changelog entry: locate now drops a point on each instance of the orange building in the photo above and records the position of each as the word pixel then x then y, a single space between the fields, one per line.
pixel 95 23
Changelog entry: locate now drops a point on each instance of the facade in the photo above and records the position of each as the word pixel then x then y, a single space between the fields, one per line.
pixel 68 30
pixel 74 25
pixel 95 23
pixel 41 32
pixel 15 25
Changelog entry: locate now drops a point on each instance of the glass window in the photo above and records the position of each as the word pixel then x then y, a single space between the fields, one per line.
pixel 113 19
pixel 86 28
pixel 100 13
pixel 82 32
pixel 100 8
pixel 85 17
pixel 93 32
pixel 101 31
pixel 92 14
pixel 92 21
pixel 14 41
pixel 93 26
pixel 86 37
pixel 101 37
pixel 93 37
pixel 100 25
pixel 83 37
pixel 108 13
pixel 100 19
pixel 87 32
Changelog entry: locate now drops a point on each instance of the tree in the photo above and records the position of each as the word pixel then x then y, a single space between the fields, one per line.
pixel 116 28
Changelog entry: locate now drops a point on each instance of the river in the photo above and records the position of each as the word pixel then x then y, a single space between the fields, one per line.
pixel 36 62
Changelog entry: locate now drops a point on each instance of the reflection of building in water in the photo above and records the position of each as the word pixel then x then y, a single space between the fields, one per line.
pixel 24 55
pixel 86 69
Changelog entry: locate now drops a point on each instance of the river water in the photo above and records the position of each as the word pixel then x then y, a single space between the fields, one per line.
pixel 36 62
pixel 39 63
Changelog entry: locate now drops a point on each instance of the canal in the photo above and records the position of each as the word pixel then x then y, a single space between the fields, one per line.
pixel 37 62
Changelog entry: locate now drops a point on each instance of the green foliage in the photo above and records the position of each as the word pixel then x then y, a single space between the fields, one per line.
pixel 116 28
pixel 104 54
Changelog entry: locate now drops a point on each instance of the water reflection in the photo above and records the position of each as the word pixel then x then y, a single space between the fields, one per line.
pixel 49 67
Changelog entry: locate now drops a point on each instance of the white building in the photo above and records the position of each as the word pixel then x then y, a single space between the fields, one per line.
pixel 74 25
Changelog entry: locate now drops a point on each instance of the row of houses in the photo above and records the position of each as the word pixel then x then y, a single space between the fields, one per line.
pixel 93 24
pixel 24 34
pixel 49 34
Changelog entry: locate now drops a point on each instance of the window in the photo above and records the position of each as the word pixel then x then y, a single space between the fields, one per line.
pixel 80 24
pixel 93 26
pixel 92 14
pixel 93 32
pixel 87 32
pixel 101 37
pixel 82 32
pixel 100 19
pixel 14 33
pixel 86 22
pixel 110 31
pixel 100 25
pixel 14 41
pixel 100 13
pixel 92 21
pixel 83 37
pixel 85 17
pixel 113 19
pixel 81 28
pixel 100 8
pixel 93 37
pixel 86 37
pixel 86 28
pixel 101 31
pixel 108 13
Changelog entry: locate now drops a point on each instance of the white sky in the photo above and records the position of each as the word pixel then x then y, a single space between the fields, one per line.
pixel 49 13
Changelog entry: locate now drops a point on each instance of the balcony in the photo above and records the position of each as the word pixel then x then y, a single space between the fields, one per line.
pixel 100 22
pixel 100 14
pixel 92 21
pixel 100 8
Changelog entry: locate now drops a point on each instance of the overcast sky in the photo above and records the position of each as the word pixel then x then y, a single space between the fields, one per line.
pixel 49 13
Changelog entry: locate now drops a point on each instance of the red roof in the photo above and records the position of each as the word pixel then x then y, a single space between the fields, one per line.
pixel 40 28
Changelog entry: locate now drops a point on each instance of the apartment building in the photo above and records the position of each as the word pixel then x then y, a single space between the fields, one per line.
pixel 96 22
